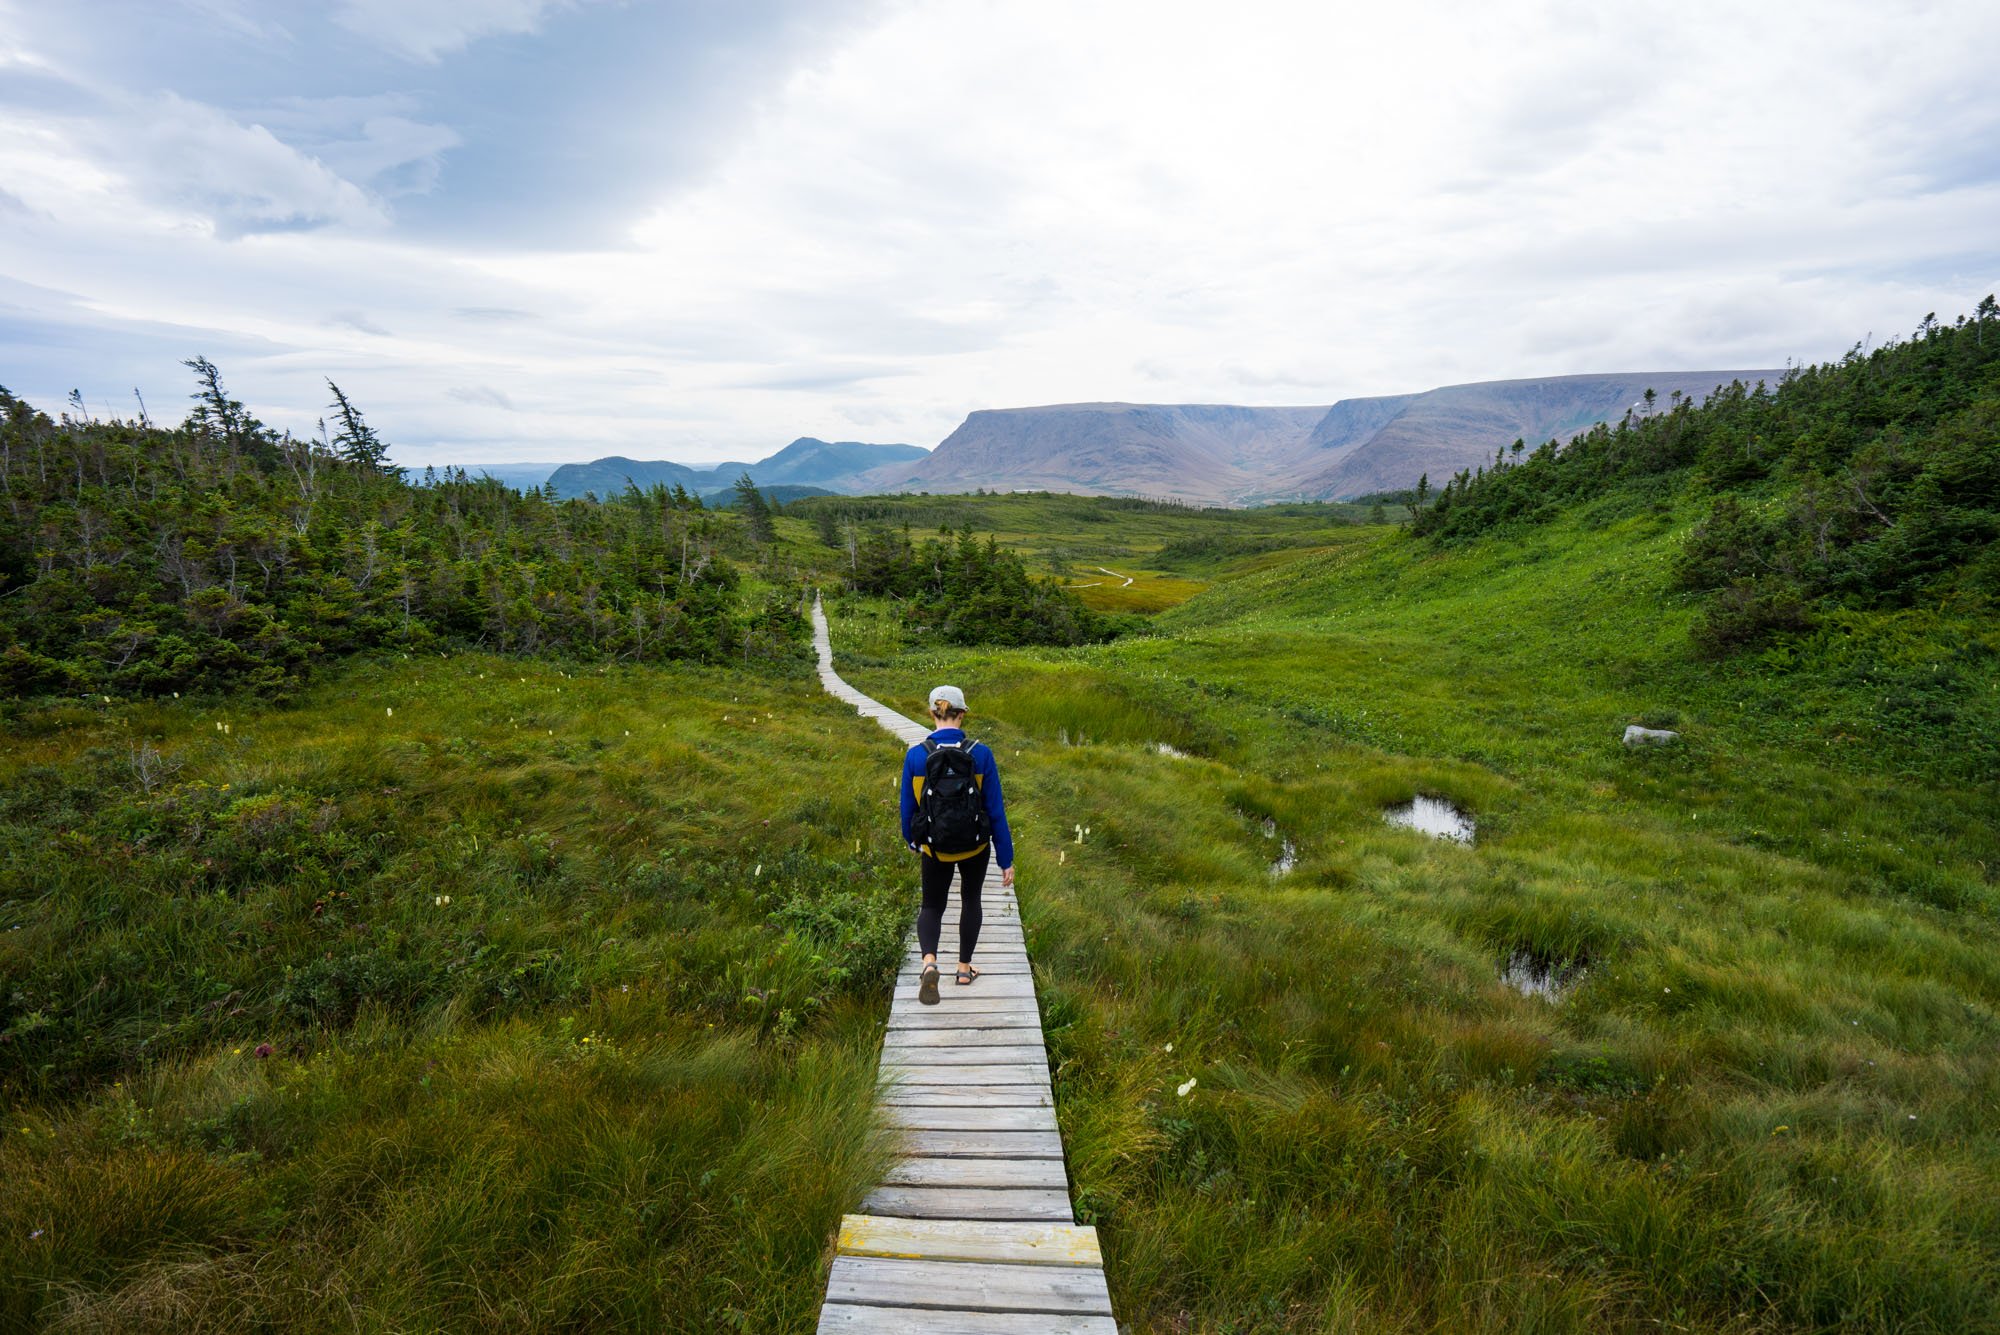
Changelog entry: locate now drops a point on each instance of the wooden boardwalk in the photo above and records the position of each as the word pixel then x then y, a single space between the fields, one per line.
pixel 971 1233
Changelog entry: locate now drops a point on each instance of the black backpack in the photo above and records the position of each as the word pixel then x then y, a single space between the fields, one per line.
pixel 951 815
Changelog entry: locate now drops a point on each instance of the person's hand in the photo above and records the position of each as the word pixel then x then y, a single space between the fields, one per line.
pixel 1007 877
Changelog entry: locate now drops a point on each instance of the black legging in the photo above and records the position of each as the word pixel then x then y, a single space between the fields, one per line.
pixel 937 892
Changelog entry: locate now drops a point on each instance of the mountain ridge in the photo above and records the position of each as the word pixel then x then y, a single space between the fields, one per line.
pixel 808 462
pixel 1225 454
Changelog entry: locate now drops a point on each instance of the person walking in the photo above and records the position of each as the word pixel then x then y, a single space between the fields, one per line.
pixel 954 820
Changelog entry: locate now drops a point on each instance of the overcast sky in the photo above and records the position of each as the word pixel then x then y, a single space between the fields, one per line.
pixel 557 229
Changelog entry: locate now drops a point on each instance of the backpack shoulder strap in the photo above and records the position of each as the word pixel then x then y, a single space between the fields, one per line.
pixel 930 748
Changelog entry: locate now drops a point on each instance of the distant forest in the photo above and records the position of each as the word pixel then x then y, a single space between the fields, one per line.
pixel 1871 482
pixel 967 592
pixel 221 554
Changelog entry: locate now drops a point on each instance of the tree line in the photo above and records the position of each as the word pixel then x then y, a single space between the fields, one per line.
pixel 223 554
pixel 963 591
pixel 1873 481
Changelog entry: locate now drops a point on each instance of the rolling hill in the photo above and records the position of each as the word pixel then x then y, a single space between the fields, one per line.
pixel 807 462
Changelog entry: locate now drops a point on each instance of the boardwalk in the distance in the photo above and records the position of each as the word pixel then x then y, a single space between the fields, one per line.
pixel 971 1233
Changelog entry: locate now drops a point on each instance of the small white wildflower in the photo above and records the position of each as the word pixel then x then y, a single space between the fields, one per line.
pixel 1170 1047
pixel 437 901
pixel 759 871
pixel 447 899
pixel 1187 1088
pixel 390 710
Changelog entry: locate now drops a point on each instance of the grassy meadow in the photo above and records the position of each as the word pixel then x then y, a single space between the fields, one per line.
pixel 1094 544
pixel 472 992
pixel 1770 1099
pixel 460 993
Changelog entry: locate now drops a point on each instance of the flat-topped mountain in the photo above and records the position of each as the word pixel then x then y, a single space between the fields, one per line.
pixel 1221 454
pixel 806 462
pixel 1460 426
pixel 1202 452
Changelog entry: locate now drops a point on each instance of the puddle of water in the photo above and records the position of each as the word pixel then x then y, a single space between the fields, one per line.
pixel 1172 752
pixel 1270 828
pixel 1288 858
pixel 1434 817
pixel 1533 977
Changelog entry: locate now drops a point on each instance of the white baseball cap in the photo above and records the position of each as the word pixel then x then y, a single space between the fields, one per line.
pixel 947 695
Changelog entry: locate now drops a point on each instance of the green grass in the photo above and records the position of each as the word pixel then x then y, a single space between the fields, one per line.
pixel 622 1077
pixel 258 1069
pixel 1770 1103
pixel 1170 552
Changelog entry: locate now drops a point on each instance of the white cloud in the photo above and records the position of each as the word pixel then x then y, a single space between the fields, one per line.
pixel 424 30
pixel 967 207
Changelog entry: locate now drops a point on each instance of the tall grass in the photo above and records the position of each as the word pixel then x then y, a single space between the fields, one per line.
pixel 1768 1104
pixel 460 995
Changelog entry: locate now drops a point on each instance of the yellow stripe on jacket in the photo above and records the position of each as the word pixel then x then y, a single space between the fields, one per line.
pixel 917 791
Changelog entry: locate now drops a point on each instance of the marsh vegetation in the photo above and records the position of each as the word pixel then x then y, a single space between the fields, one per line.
pixel 541 989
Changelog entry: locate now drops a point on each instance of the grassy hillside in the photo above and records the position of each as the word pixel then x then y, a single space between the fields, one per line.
pixel 459 994
pixel 1769 1102
pixel 1092 543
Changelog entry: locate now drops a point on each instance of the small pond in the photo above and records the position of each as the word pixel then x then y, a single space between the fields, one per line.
pixel 1533 976
pixel 1432 816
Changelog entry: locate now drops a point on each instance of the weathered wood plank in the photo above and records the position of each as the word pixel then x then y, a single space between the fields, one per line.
pixel 842 1319
pixel 1022 1015
pixel 960 1036
pixel 971 1117
pixel 967 1054
pixel 982 1144
pixel 960 1001
pixel 951 1095
pixel 1019 985
pixel 1041 1203
pixel 1009 1031
pixel 912 973
pixel 1019 1012
pixel 1011 1073
pixel 978 1173
pixel 967 1285
pixel 1017 1244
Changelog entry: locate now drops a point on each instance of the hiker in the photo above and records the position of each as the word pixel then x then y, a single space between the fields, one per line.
pixel 954 820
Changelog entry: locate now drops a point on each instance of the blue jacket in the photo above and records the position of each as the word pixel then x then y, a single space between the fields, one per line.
pixel 989 786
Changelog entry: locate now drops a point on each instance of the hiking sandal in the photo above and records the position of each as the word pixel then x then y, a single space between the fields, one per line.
pixel 966 973
pixel 927 983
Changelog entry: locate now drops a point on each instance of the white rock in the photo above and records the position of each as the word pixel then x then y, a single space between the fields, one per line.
pixel 1638 736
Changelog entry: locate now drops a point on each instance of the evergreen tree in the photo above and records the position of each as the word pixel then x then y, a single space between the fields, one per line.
pixel 355 441
pixel 756 511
